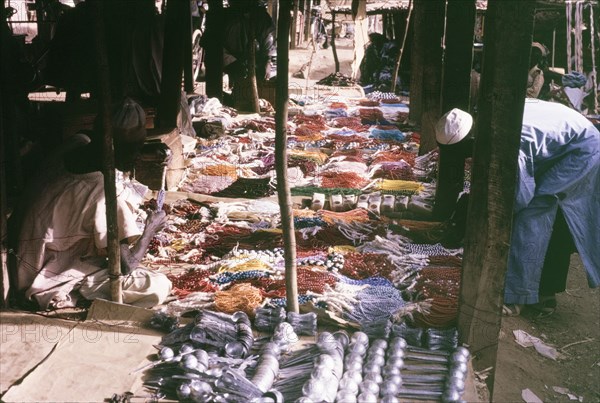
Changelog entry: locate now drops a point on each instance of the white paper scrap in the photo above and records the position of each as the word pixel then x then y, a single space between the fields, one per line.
pixel 526 340
pixel 530 397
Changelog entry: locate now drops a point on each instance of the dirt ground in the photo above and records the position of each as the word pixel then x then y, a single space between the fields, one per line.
pixel 574 329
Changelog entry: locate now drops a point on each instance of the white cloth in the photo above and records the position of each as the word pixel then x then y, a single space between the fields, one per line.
pixel 63 239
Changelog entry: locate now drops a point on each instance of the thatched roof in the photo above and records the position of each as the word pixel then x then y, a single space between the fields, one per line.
pixel 379 6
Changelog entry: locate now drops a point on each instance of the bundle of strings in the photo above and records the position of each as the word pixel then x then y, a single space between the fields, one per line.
pixel 399 170
pixel 219 170
pixel 310 279
pixel 446 261
pixel 393 155
pixel 440 285
pixel 267 164
pixel 355 155
pixel 350 180
pixel 342 140
pixel 365 265
pixel 203 184
pixel 370 116
pixel 355 215
pixel 351 123
pixel 375 304
pixel 220 239
pixel 307 166
pixel 338 105
pixel 239 297
pixel 307 132
pixel 316 156
pixel 317 121
pixel 192 280
pixel 421 231
pixel 399 186
pixel 249 188
pixel 192 226
pixel 323 238
pixel 311 190
pixel 368 102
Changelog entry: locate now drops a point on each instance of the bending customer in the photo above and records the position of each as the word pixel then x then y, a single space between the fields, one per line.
pixel 559 178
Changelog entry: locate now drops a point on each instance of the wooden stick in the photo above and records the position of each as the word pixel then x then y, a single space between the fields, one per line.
pixel 587 340
pixel 108 160
pixel 283 190
pixel 399 58
pixel 4 279
pixel 254 103
pixel 333 48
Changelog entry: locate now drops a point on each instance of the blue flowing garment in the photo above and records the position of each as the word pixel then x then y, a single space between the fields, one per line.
pixel 559 166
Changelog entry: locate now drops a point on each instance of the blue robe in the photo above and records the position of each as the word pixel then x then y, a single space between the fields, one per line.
pixel 559 166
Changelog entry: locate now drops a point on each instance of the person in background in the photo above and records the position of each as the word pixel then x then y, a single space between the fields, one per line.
pixel 557 201
pixel 62 243
pixel 378 64
pixel 538 63
pixel 246 19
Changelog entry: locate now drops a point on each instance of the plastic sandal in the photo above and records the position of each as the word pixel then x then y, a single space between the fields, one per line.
pixel 544 308
pixel 511 309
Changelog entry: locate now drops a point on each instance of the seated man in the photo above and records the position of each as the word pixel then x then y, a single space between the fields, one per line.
pixel 62 243
pixel 378 65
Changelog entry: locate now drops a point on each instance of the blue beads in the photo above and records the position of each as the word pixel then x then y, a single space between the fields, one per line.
pixel 228 277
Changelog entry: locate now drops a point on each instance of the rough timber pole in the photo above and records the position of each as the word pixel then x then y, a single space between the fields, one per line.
pixel 172 67
pixel 508 36
pixel 108 158
pixel 283 190
pixel 432 73
pixel 456 89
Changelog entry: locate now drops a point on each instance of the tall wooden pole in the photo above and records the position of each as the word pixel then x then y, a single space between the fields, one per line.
pixel 172 66
pixel 333 48
pixel 108 158
pixel 294 27
pixel 4 279
pixel 186 40
pixel 254 105
pixel 214 50
pixel 401 52
pixel 283 190
pixel 508 37
pixel 432 73
pixel 416 61
pixel 456 88
pixel 307 19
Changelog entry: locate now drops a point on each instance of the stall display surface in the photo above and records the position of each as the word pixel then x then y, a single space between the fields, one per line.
pixel 378 281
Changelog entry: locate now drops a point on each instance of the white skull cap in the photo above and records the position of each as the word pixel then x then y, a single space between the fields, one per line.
pixel 453 126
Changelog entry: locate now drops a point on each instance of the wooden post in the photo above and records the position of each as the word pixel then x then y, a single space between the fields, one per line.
pixel 508 37
pixel 172 67
pixel 253 95
pixel 335 56
pixel 456 88
pixel 307 19
pixel 186 40
pixel 401 51
pixel 294 27
pixel 432 73
pixel 108 158
pixel 416 61
pixel 214 50
pixel 283 190
pixel 4 279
